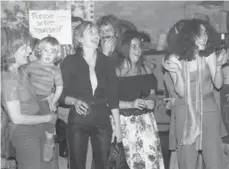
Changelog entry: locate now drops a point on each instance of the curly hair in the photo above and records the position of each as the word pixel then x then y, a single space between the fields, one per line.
pixel 184 46
pixel 124 48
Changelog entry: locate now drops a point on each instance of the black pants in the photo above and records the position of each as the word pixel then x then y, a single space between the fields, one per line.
pixel 78 136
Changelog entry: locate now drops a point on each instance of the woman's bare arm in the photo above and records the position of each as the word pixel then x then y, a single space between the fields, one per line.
pixel 14 111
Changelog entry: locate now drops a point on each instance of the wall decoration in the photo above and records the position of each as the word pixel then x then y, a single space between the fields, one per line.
pixel 56 23
pixel 82 8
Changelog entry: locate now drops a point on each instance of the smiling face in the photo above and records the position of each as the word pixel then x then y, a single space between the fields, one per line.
pixel 135 50
pixel 201 40
pixel 90 38
pixel 22 55
pixel 106 31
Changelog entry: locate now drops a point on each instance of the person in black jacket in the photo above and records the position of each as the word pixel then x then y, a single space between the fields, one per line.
pixel 91 91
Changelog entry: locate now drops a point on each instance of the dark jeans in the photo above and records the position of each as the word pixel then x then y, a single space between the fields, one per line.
pixel 78 136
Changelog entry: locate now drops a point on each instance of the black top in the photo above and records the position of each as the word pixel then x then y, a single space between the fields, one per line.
pixel 75 72
pixel 132 87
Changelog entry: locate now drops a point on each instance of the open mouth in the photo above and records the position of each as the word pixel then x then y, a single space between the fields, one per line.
pixel 137 55
pixel 95 41
pixel 47 59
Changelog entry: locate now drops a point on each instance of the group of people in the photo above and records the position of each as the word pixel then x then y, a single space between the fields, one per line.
pixel 110 92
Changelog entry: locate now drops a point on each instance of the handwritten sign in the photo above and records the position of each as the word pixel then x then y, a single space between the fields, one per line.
pixel 56 23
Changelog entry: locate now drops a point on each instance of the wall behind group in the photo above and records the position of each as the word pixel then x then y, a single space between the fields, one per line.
pixel 153 17
pixel 156 17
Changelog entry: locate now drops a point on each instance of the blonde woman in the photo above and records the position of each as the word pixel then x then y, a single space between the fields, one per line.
pixel 90 90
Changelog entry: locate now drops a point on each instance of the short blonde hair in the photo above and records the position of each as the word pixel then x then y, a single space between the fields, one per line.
pixel 79 30
pixel 43 43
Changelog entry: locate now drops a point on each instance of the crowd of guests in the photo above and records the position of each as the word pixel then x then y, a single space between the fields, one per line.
pixel 110 92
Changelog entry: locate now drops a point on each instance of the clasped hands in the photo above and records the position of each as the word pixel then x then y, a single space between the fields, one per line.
pixel 143 103
pixel 81 107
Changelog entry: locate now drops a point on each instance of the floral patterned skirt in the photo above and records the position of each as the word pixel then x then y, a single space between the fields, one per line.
pixel 141 142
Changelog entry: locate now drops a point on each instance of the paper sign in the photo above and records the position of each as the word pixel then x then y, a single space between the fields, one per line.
pixel 56 23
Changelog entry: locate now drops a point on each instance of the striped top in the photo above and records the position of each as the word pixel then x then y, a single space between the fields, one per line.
pixel 44 77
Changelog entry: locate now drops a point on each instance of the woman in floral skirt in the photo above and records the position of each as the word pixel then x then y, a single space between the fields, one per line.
pixel 140 135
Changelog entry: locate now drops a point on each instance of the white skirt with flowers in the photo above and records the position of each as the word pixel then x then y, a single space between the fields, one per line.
pixel 141 141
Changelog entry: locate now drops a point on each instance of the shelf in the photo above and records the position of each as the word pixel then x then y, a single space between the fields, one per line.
pixel 154 52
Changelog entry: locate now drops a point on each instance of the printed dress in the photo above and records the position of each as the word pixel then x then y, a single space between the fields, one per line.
pixel 140 134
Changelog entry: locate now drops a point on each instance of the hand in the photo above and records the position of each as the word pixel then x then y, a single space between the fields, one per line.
pixel 172 65
pixel 169 103
pixel 227 96
pixel 222 58
pixel 52 118
pixel 81 107
pixel 53 107
pixel 118 134
pixel 108 45
pixel 138 104
pixel 150 104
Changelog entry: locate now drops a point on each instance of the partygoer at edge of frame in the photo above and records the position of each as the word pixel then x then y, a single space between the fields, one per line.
pixel 109 32
pixel 136 86
pixel 19 99
pixel 224 94
pixel 194 67
pixel 91 91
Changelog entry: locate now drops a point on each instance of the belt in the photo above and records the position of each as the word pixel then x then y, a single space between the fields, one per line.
pixel 134 112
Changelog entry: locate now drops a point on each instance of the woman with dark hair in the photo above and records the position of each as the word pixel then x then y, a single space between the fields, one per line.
pixel 195 69
pixel 91 91
pixel 137 87
pixel 19 101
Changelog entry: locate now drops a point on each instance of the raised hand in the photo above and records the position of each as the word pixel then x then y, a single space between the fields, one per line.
pixel 109 45
pixel 172 65
pixel 222 58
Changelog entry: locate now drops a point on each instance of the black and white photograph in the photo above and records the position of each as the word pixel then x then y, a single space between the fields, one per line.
pixel 95 84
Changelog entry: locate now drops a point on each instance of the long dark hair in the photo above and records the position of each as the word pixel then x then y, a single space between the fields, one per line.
pixel 184 46
pixel 124 49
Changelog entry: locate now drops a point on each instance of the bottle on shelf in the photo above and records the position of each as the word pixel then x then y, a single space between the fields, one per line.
pixel 223 44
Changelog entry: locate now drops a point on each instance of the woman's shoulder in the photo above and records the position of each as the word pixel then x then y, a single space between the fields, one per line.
pixel 210 57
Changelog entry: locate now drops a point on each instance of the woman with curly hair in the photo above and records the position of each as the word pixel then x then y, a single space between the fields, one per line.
pixel 195 68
